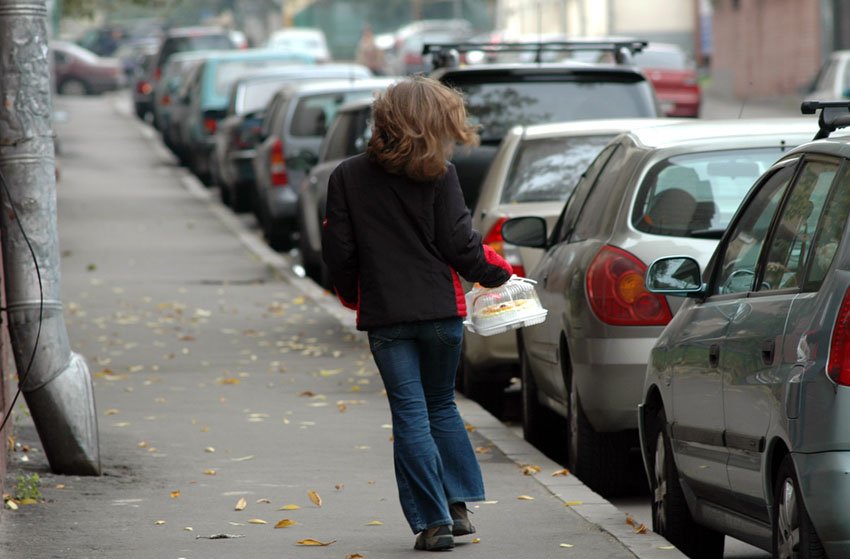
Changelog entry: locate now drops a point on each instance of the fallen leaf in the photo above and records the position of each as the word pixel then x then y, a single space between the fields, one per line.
pixel 530 469
pixel 476 540
pixel 209 449
pixel 525 498
pixel 375 523
pixel 256 521
pixel 241 504
pixel 640 529
pixel 142 444
pixel 244 458
pixel 159 523
pixel 175 494
pixel 285 523
pixel 667 547
pixel 311 541
pixel 229 380
pixel 28 502
pixel 564 472
pixel 209 472
pixel 219 537
pixel 339 486
pixel 354 556
pixel 469 427
pixel 264 501
pixel 573 503
pixel 483 449
pixel 566 545
pixel 341 406
pixel 111 411
pixel 307 394
pixel 629 520
pixel 315 498
pixel 289 507
pixel 188 528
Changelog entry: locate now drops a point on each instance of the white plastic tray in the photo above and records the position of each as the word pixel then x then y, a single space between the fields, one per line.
pixel 524 320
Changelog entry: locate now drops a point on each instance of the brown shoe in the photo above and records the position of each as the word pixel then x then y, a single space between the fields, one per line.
pixel 461 525
pixel 438 538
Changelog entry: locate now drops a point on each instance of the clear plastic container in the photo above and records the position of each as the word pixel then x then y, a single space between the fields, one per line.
pixel 513 304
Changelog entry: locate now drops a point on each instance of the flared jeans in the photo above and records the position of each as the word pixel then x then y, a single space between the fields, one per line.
pixel 435 464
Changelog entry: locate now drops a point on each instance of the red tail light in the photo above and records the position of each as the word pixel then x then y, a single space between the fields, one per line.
pixel 277 163
pixel 615 288
pixel 210 124
pixel 143 87
pixel 838 367
pixel 157 73
pixel 507 251
pixel 166 99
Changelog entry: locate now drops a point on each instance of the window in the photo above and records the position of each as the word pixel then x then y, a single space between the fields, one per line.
pixel 737 263
pixel 791 241
pixel 314 113
pixel 574 204
pixel 598 203
pixel 830 230
pixel 548 169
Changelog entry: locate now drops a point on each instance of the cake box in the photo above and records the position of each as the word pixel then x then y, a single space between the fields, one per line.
pixel 512 305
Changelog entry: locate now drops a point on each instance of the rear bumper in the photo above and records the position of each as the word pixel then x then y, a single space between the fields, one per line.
pixel 825 484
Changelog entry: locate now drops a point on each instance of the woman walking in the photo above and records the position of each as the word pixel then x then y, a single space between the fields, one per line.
pixel 396 235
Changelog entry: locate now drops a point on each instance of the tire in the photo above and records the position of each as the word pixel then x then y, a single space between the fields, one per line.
pixel 73 86
pixel 278 236
pixel 670 514
pixel 533 416
pixel 791 522
pixel 240 198
pixel 224 194
pixel 141 112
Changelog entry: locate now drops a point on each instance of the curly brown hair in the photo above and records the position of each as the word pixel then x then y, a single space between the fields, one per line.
pixel 416 123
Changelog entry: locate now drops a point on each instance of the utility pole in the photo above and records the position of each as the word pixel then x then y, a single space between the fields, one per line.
pixel 55 382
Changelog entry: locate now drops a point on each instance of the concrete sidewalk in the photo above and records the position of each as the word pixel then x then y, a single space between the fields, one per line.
pixel 222 380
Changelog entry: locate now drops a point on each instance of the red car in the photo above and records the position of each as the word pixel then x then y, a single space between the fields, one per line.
pixel 78 71
pixel 674 78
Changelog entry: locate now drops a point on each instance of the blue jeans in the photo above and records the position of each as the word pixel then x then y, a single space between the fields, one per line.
pixel 435 464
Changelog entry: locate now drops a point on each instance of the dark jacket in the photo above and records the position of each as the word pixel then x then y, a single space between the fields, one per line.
pixel 394 247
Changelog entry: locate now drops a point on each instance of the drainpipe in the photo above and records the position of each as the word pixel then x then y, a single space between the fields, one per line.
pixel 57 388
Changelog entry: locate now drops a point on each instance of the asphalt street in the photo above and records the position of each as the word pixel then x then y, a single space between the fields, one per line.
pixel 235 400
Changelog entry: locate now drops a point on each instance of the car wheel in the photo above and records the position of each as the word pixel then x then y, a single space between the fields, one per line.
pixel 224 193
pixel 73 86
pixel 240 198
pixel 278 236
pixel 794 536
pixel 533 424
pixel 670 514
pixel 141 112
pixel 600 460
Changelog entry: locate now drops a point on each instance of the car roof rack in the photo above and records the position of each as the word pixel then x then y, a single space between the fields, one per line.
pixel 833 115
pixel 448 54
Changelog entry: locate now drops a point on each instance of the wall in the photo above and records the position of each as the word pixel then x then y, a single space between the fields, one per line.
pixel 765 48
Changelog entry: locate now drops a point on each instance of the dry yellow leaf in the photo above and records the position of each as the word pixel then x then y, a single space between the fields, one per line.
pixel 256 521
pixel 289 507
pixel 28 502
pixel 315 498
pixel 354 556
pixel 564 472
pixel 375 523
pixel 341 406
pixel 525 498
pixel 111 411
pixel 285 523
pixel 229 380
pixel 188 528
pixel 640 529
pixel 476 540
pixel 159 523
pixel 241 504
pixel 573 503
pixel 311 541
pixel 530 469
pixel 307 394
pixel 209 472
pixel 483 449
pixel 12 504
pixel 469 427
pixel 142 444
pixel 566 545
pixel 60 486
pixel 629 520
pixel 175 494
pixel 264 501
pixel 339 486
pixel 667 547
pixel 209 449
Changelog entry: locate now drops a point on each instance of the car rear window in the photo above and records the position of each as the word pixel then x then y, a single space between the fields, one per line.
pixel 696 195
pixel 547 170
pixel 315 112
pixel 506 101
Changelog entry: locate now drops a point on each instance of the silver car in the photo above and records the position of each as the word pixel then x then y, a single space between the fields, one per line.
pixel 650 192
pixel 743 421
pixel 533 173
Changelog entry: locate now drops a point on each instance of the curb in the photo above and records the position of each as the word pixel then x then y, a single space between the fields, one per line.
pixel 588 504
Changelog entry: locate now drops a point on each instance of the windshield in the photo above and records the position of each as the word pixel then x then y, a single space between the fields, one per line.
pixel 314 113
pixel 228 72
pixel 696 195
pixel 548 169
pixel 498 106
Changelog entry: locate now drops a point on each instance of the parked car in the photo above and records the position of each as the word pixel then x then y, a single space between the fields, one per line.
pixel 308 40
pixel 533 173
pixel 742 420
pixel 207 97
pixel 165 90
pixel 673 76
pixel 293 127
pixel 348 135
pixel 238 132
pixel 833 80
pixel 649 192
pixel 407 56
pixel 503 95
pixel 78 71
pixel 142 87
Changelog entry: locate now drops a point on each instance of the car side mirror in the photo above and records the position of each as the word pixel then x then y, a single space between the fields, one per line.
pixel 675 275
pixel 303 161
pixel 525 231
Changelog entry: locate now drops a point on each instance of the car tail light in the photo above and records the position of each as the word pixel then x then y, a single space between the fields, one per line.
pixel 210 124
pixel 507 251
pixel 166 99
pixel 615 288
pixel 838 367
pixel 143 87
pixel 277 164
pixel 157 73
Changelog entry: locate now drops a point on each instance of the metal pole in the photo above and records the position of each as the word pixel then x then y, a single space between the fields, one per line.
pixel 57 387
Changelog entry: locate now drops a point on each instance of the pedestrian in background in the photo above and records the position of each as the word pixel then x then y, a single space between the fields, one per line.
pixel 396 235
pixel 369 54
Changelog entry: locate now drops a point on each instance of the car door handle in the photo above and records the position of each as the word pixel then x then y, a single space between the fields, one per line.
pixel 713 355
pixel 767 348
